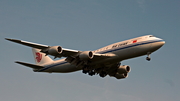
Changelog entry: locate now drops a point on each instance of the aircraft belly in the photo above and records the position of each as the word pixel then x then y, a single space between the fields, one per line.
pixel 105 61
pixel 64 68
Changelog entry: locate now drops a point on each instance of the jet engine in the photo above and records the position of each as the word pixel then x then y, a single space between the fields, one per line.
pixel 121 76
pixel 86 55
pixel 122 72
pixel 123 69
pixel 54 50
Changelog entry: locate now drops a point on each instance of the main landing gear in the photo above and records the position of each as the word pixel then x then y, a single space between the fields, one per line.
pixel 102 74
pixel 91 72
pixel 148 56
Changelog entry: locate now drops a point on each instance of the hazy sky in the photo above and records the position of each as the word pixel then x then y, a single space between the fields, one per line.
pixel 88 25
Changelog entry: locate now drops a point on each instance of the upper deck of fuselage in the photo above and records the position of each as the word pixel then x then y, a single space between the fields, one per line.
pixel 130 42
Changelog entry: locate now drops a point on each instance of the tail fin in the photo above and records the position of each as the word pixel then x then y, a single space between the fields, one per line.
pixel 40 57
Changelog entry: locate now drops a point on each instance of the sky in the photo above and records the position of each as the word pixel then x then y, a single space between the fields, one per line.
pixel 89 25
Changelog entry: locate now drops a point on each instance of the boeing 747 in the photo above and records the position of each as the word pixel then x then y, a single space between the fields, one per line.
pixel 102 62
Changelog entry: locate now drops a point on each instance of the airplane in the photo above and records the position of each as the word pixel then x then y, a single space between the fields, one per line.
pixel 104 61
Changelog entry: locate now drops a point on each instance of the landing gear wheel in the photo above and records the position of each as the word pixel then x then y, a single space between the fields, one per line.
pixel 85 71
pixel 148 58
pixel 102 74
pixel 91 73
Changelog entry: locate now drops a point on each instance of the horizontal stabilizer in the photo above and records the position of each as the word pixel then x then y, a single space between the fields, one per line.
pixel 30 65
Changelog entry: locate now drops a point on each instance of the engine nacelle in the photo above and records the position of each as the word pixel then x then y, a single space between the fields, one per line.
pixel 54 50
pixel 124 69
pixel 121 76
pixel 86 55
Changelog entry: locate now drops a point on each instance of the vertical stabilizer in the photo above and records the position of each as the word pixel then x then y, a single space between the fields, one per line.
pixel 40 58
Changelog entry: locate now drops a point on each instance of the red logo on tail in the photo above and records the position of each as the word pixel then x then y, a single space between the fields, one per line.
pixel 38 57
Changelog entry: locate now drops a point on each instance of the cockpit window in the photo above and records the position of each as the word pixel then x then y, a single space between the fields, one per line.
pixel 151 36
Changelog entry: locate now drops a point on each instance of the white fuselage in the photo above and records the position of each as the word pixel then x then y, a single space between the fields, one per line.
pixel 122 50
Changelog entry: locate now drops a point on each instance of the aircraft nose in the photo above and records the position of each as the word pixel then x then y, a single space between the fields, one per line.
pixel 160 44
pixel 163 42
pixel 157 45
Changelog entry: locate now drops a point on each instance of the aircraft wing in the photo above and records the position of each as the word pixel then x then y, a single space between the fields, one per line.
pixel 44 48
pixel 74 57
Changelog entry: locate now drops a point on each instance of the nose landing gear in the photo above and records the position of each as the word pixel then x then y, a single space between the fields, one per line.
pixel 148 56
